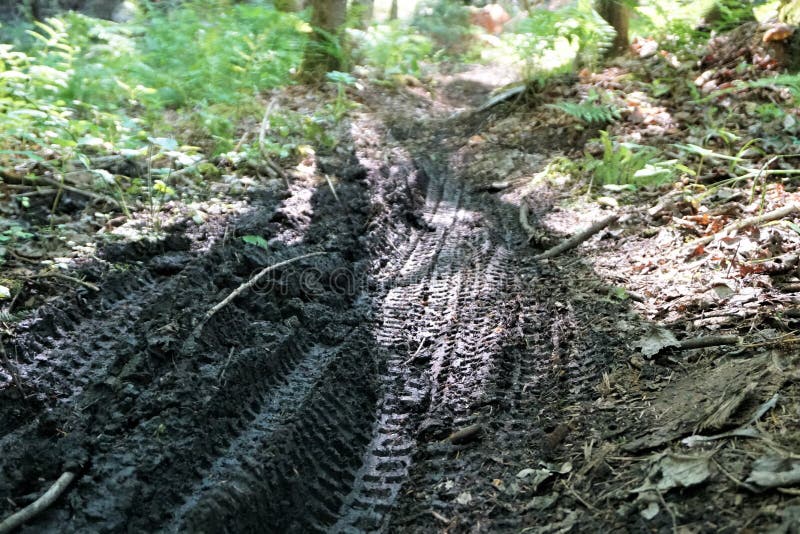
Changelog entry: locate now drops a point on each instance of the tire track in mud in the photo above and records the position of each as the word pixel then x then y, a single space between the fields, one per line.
pixel 310 410
pixel 442 325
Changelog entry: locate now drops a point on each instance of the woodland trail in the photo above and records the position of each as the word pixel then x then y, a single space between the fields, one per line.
pixel 426 373
pixel 324 399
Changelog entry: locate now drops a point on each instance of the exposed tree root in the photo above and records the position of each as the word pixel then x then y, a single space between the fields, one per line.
pixel 39 505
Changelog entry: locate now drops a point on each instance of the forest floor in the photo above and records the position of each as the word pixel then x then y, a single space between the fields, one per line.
pixel 427 370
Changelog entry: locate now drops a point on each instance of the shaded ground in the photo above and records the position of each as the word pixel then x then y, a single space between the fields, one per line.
pixel 327 398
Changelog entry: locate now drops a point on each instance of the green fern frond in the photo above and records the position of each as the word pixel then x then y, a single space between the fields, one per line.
pixel 597 108
pixel 789 81
pixel 588 112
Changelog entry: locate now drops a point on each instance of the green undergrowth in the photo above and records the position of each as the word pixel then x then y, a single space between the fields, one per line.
pixel 87 86
pixel 392 49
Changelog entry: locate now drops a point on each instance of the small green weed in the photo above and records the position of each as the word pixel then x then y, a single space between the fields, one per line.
pixel 256 240
pixel 11 233
pixel 341 105
pixel 627 163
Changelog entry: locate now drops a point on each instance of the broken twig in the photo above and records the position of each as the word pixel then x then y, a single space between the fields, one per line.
pixel 67 278
pixel 247 285
pixel 39 505
pixel 708 341
pixel 578 238
pixel 465 435
pixel 523 220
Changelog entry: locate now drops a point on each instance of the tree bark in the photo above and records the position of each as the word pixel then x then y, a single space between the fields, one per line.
pixel 41 9
pixel 616 13
pixel 324 52
pixel 393 11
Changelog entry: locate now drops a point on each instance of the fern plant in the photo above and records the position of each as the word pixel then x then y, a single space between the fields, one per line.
pixel 593 110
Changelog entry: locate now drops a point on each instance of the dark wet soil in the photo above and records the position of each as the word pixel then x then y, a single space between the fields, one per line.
pixel 327 397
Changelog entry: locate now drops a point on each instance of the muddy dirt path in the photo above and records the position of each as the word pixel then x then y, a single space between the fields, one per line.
pixel 326 398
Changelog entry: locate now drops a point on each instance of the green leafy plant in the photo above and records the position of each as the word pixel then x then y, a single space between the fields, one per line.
pixel 446 22
pixel 557 41
pixel 256 240
pixel 393 48
pixel 595 109
pixel 10 233
pixel 627 163
pixel 341 80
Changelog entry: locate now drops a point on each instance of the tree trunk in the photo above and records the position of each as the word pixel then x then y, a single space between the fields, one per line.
pixel 393 11
pixel 324 51
pixel 41 9
pixel 615 12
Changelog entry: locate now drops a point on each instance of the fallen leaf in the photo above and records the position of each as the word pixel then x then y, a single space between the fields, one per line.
pixel 541 502
pixel 669 471
pixel 775 471
pixel 656 339
pixel 651 511
pixel 682 471
pixel 464 498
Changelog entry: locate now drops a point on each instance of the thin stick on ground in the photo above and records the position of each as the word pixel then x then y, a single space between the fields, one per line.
pixel 708 341
pixel 247 285
pixel 78 191
pixel 524 220
pixel 67 278
pixel 262 135
pixel 669 511
pixel 578 238
pixel 39 505
pixel 743 223
pixel 580 499
pixel 12 370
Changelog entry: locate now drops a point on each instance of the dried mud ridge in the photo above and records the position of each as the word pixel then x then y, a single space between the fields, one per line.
pixel 323 400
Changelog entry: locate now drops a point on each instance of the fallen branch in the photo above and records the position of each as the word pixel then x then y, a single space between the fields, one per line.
pixel 708 341
pixel 578 238
pixel 78 191
pixel 67 278
pixel 523 219
pixel 39 505
pixel 750 221
pixel 789 287
pixel 245 286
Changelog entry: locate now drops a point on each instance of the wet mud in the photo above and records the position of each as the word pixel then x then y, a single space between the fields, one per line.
pixel 398 382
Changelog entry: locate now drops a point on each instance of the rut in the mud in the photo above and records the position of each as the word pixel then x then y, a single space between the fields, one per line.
pixel 321 400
